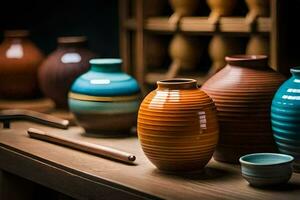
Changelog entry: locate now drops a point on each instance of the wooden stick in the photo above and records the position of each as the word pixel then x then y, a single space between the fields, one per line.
pixel 96 149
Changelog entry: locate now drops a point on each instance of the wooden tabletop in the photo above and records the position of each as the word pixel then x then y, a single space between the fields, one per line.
pixel 85 176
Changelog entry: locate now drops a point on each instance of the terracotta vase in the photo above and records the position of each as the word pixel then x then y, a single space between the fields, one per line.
pixel 257 8
pixel 20 60
pixel 177 126
pixel 243 93
pixel 105 100
pixel 186 50
pixel 220 8
pixel 285 117
pixel 183 8
pixel 221 46
pixel 62 67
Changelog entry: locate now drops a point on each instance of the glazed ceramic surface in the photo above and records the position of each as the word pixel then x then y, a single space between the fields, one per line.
pixel 62 67
pixel 20 60
pixel 105 100
pixel 265 169
pixel 285 115
pixel 243 92
pixel 177 126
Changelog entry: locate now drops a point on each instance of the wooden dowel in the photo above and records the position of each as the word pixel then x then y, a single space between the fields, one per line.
pixel 96 149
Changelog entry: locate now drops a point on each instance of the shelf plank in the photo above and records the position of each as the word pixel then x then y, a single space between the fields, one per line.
pixel 202 25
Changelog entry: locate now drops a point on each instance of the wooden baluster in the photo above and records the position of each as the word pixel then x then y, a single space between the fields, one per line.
pixel 220 8
pixel 183 8
pixel 221 46
pixel 257 8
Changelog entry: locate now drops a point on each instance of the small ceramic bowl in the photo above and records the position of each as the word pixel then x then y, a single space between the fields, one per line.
pixel 265 169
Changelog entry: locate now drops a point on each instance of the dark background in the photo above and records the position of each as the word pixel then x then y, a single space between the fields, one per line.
pixel 97 19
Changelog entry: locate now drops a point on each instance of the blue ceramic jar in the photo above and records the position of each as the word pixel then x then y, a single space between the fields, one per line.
pixel 285 115
pixel 105 100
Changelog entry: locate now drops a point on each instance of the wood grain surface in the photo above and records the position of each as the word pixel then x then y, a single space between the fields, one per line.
pixel 85 176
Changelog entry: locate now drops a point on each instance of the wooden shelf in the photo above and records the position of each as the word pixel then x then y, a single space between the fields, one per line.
pixel 202 25
pixel 152 77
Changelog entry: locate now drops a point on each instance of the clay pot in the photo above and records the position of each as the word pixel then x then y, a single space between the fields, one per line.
pixel 62 67
pixel 258 45
pixel 242 92
pixel 20 60
pixel 186 50
pixel 285 117
pixel 220 8
pixel 183 8
pixel 177 126
pixel 105 100
pixel 257 8
pixel 221 46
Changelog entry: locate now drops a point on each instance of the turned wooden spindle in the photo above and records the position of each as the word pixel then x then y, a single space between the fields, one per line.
pixel 258 45
pixel 257 8
pixel 221 46
pixel 220 8
pixel 183 8
pixel 185 52
pixel 156 51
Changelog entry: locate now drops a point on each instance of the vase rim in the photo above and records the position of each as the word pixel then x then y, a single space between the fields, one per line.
pixel 105 61
pixel 16 33
pixel 71 39
pixel 295 70
pixel 245 57
pixel 178 83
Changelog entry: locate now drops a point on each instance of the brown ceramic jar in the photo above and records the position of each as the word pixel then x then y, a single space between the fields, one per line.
pixel 62 67
pixel 177 126
pixel 19 59
pixel 243 92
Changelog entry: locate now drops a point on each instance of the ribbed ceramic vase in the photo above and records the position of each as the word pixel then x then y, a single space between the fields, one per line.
pixel 19 62
pixel 243 92
pixel 105 100
pixel 177 126
pixel 285 115
pixel 62 67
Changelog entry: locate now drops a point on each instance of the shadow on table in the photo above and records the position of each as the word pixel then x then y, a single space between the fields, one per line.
pixel 279 188
pixel 208 173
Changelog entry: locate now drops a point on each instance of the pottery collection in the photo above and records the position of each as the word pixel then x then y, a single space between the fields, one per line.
pixel 105 100
pixel 243 92
pixel 177 126
pixel 62 67
pixel 20 59
pixel 286 117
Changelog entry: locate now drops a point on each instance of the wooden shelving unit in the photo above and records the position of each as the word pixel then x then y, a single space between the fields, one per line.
pixel 136 26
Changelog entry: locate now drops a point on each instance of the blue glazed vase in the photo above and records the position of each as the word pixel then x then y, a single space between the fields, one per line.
pixel 285 115
pixel 105 100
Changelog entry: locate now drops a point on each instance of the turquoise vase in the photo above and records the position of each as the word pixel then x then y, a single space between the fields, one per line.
pixel 285 115
pixel 105 100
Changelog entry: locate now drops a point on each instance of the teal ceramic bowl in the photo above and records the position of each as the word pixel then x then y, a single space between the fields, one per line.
pixel 266 169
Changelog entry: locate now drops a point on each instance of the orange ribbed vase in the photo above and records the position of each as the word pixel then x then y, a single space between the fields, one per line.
pixel 243 93
pixel 178 126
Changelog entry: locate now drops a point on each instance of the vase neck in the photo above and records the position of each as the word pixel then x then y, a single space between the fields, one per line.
pixel 177 84
pixel 295 71
pixel 249 61
pixel 72 42
pixel 106 65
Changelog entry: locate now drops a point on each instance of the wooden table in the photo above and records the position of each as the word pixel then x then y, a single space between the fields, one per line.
pixel 83 176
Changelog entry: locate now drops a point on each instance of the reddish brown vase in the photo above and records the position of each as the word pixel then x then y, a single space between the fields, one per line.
pixel 178 126
pixel 62 67
pixel 243 93
pixel 19 59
